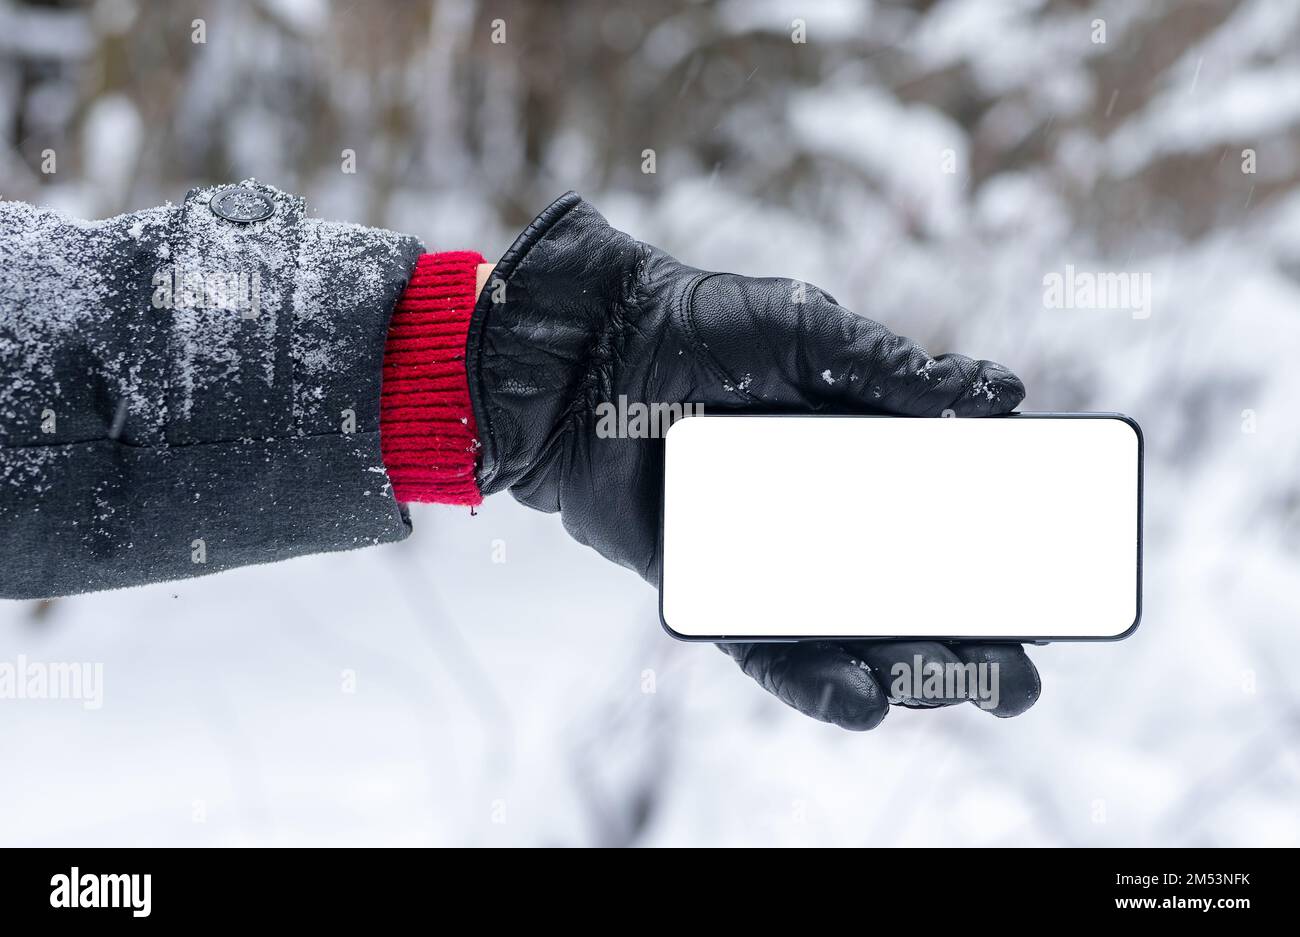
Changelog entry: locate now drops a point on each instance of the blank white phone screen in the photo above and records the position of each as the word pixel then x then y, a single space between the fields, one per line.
pixel 1014 527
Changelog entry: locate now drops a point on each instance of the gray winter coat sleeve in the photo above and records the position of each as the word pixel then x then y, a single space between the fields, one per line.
pixel 190 388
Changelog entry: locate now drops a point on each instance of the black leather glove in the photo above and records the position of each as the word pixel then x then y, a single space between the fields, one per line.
pixel 577 313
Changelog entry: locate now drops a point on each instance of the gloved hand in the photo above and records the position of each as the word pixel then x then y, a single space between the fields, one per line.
pixel 577 313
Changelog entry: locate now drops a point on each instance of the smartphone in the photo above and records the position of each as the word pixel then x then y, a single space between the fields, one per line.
pixel 1026 527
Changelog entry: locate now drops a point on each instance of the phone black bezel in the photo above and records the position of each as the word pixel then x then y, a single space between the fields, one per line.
pixel 1000 639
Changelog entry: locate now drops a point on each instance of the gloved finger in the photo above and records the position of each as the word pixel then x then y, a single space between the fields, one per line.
pixel 866 364
pixel 915 674
pixel 803 350
pixel 818 679
pixel 1012 676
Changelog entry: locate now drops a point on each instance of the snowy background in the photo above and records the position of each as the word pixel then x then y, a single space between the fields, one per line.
pixel 505 702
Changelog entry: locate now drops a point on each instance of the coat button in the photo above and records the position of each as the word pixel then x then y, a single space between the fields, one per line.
pixel 241 205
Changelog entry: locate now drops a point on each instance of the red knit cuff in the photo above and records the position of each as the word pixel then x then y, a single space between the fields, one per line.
pixel 426 422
